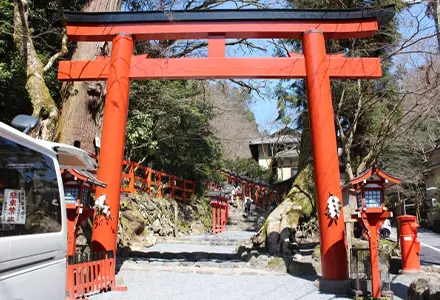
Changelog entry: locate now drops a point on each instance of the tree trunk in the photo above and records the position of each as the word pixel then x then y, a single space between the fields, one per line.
pixel 43 105
pixel 281 224
pixel 436 15
pixel 83 102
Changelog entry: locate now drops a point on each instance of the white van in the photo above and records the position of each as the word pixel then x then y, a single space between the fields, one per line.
pixel 33 226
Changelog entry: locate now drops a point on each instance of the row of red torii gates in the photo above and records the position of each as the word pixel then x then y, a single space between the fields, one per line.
pixel 259 191
pixel 313 27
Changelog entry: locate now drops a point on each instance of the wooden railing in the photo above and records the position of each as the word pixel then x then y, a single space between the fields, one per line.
pixel 89 274
pixel 141 178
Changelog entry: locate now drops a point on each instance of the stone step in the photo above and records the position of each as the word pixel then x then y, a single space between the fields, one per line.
pixel 229 238
pixel 225 242
pixel 184 256
pixel 202 267
pixel 188 252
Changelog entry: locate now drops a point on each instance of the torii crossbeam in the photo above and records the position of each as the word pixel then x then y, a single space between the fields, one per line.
pixel 312 26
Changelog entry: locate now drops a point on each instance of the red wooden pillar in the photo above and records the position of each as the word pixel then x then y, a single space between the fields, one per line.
pixel 256 195
pixel 148 173
pixel 225 214
pixel 219 218
pixel 173 186
pixel 131 185
pixel 222 216
pixel 159 184
pixel 113 139
pixel 325 157
pixel 72 214
pixel 243 189
pixel 214 214
pixel 374 262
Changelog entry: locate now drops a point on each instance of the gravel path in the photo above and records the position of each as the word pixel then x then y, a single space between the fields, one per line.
pixel 172 285
pixel 180 283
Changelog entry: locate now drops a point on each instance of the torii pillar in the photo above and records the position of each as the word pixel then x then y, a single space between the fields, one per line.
pixel 325 156
pixel 313 27
pixel 104 235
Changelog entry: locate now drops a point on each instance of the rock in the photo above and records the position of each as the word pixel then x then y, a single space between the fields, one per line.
pixel 165 230
pixel 244 256
pixel 301 268
pixel 197 228
pixel 424 289
pixel 316 254
pixel 263 257
pixel 253 261
pixel 297 257
pixel 149 205
pixel 276 264
pixel 150 240
pixel 134 220
pixel 81 240
pixel 156 226
pixel 87 250
pixel 395 265
pixel 259 262
pixel 254 253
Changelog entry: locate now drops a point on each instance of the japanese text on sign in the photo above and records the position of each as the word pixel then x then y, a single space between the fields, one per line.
pixel 14 207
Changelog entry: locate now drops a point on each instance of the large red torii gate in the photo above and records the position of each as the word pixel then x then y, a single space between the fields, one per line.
pixel 312 26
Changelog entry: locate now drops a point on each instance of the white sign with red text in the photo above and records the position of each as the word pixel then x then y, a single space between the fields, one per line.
pixel 14 207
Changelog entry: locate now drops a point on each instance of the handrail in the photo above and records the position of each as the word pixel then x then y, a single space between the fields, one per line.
pixel 141 178
pixel 144 179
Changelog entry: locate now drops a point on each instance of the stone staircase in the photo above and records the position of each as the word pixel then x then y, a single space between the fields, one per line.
pixel 210 251
pixel 253 222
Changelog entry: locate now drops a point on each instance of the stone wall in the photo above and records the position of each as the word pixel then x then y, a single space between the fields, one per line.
pixel 143 219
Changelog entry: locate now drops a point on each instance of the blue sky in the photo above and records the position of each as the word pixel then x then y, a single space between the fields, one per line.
pixel 413 24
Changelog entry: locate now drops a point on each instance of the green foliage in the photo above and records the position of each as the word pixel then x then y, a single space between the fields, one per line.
pixel 168 126
pixel 14 98
pixel 437 208
pixel 249 167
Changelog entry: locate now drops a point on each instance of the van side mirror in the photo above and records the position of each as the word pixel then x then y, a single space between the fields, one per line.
pixel 25 123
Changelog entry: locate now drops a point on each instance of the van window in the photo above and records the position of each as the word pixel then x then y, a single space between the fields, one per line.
pixel 29 194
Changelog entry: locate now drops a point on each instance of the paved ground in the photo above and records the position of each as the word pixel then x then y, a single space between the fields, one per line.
pixel 168 279
pixel 174 285
pixel 430 242
pixel 178 283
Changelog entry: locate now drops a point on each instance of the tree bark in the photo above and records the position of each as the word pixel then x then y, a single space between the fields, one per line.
pixel 43 105
pixel 436 15
pixel 83 102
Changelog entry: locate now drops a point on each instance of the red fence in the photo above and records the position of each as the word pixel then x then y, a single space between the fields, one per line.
pixel 90 273
pixel 141 178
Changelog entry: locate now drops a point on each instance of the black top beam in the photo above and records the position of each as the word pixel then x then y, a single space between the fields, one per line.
pixel 383 15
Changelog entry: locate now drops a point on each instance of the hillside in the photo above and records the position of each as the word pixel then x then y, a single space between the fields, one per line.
pixel 234 124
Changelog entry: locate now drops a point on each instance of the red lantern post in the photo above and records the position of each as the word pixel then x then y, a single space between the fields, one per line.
pixel 372 213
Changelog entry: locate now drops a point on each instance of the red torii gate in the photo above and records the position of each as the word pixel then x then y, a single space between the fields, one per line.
pixel 312 26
